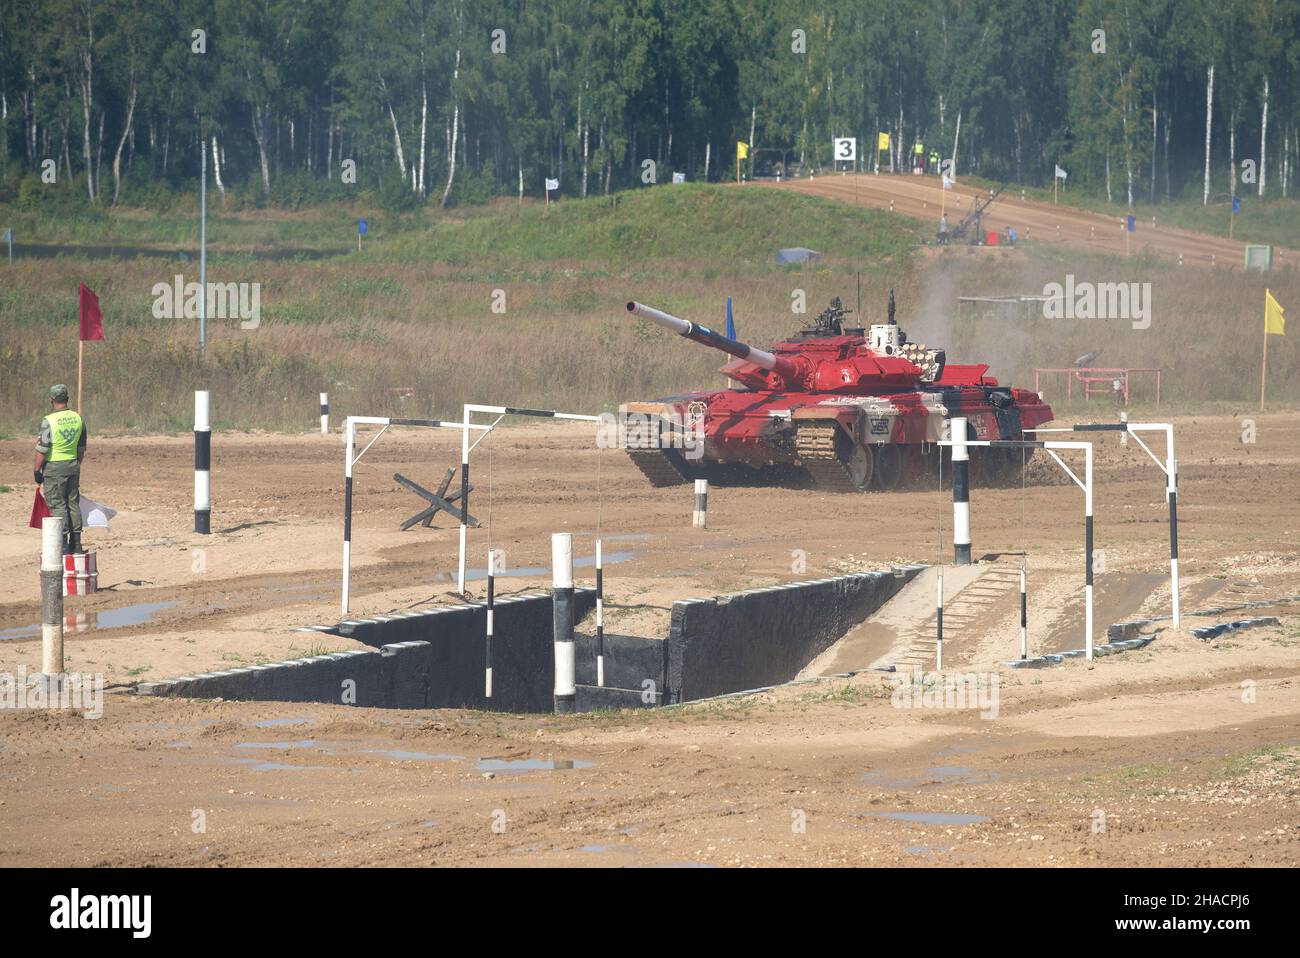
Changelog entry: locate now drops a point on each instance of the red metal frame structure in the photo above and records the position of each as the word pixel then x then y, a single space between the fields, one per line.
pixel 1093 377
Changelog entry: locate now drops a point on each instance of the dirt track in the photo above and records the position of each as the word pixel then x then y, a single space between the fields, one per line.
pixel 1035 221
pixel 711 784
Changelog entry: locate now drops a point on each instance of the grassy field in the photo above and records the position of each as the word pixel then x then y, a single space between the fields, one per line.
pixel 413 313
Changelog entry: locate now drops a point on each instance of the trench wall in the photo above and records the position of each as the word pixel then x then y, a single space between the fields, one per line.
pixel 747 640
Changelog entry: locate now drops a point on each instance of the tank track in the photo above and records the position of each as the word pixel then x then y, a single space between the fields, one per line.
pixel 657 467
pixel 815 447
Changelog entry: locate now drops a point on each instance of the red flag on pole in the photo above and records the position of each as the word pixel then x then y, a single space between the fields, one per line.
pixel 39 510
pixel 92 320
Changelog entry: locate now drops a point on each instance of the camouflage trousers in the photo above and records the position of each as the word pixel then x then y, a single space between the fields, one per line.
pixel 63 493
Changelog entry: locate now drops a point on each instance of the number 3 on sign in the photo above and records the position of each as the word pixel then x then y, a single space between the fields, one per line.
pixel 846 148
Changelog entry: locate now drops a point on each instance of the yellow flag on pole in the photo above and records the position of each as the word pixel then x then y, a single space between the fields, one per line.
pixel 742 150
pixel 1274 320
pixel 882 143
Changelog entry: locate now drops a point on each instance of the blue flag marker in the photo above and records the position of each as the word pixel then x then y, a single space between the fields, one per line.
pixel 361 227
pixel 1132 224
pixel 731 326
pixel 1236 204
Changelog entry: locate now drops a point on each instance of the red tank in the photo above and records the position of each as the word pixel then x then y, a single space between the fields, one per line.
pixel 849 409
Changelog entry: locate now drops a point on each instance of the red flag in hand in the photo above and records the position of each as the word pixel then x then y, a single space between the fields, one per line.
pixel 92 320
pixel 39 510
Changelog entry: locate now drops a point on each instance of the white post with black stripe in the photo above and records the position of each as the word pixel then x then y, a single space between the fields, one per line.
pixel 1024 615
pixel 1169 467
pixel 324 414
pixel 487 643
pixel 350 431
pixel 202 462
pixel 466 447
pixel 700 517
pixel 349 448
pixel 52 596
pixel 464 501
pixel 960 491
pixel 566 688
pixel 600 617
pixel 1087 525
pixel 938 619
pixel 1171 495
pixel 1085 484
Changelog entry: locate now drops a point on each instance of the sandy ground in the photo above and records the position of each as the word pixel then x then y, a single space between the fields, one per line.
pixel 1036 221
pixel 1188 750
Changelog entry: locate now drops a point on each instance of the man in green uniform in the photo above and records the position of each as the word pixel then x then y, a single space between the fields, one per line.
pixel 60 447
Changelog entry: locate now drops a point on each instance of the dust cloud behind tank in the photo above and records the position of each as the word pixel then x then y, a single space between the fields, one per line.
pixel 837 407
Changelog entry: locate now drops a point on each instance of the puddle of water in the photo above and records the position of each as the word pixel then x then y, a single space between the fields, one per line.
pixel 595 849
pixel 507 765
pixel 300 743
pixel 291 720
pixel 401 756
pixel 933 818
pixel 259 766
pixel 938 775
pixel 107 619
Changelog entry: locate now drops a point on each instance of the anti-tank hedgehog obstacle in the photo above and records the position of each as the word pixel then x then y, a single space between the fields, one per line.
pixel 351 460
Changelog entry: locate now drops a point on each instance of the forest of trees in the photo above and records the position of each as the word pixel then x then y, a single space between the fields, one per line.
pixel 454 101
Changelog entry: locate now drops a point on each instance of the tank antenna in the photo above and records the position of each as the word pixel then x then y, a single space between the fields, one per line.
pixel 892 321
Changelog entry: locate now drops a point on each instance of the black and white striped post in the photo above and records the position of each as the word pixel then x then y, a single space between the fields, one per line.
pixel 1169 467
pixel 466 447
pixel 52 596
pixel 1171 495
pixel 324 414
pixel 491 602
pixel 938 618
pixel 600 617
pixel 202 462
pixel 566 690
pixel 1024 615
pixel 700 517
pixel 960 491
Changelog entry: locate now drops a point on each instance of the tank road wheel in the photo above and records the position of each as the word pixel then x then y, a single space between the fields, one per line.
pixel 889 467
pixel 859 464
pixel 833 461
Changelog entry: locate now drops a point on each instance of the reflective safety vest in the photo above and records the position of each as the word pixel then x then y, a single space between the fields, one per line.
pixel 919 149
pixel 65 435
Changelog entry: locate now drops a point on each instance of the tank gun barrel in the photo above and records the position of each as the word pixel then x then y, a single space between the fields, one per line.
pixel 780 365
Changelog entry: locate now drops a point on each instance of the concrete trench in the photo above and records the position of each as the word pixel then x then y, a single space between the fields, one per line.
pixel 435 658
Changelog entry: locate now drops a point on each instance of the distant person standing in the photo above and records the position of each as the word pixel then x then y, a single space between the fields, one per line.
pixel 943 230
pixel 60 447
